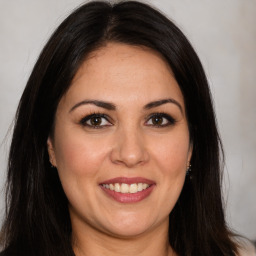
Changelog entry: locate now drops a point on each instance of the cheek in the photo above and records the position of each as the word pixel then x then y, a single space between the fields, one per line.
pixel 79 155
pixel 79 162
pixel 171 158
pixel 172 154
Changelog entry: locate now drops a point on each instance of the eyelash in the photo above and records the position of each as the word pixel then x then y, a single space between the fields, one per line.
pixel 85 119
pixel 170 120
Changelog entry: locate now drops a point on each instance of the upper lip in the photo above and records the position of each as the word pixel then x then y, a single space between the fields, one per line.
pixel 128 180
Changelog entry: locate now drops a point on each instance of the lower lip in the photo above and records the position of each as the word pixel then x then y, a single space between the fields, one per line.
pixel 128 197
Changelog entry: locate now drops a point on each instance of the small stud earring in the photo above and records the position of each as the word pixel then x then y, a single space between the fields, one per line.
pixel 188 172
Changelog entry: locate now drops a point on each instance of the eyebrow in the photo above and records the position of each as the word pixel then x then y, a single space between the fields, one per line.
pixel 111 106
pixel 164 101
pixel 98 103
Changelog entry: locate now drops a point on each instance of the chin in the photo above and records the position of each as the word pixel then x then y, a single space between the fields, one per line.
pixel 130 226
pixel 128 231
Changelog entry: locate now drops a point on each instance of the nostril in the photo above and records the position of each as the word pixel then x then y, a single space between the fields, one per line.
pixel 129 152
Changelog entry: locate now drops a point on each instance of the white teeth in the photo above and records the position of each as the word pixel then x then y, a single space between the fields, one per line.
pixel 117 187
pixel 144 186
pixel 140 187
pixel 126 188
pixel 133 188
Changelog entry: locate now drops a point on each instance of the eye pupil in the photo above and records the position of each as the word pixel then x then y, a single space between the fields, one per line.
pixel 96 121
pixel 157 120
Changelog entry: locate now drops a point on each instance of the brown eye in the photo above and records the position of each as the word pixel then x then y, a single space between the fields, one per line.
pixel 157 120
pixel 160 120
pixel 95 121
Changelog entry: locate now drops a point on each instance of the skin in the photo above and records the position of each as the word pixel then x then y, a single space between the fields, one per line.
pixel 128 144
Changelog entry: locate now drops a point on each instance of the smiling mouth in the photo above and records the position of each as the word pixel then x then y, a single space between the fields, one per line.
pixel 126 188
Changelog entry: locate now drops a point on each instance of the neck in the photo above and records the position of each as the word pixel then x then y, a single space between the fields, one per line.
pixel 88 241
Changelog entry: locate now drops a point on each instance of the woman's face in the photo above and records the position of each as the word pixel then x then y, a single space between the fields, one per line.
pixel 121 142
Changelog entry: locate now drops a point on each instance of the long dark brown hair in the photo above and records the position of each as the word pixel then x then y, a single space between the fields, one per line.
pixel 37 219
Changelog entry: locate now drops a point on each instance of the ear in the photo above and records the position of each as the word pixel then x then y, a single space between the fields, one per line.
pixel 190 151
pixel 51 152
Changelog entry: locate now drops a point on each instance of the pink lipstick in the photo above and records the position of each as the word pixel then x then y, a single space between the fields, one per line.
pixel 128 190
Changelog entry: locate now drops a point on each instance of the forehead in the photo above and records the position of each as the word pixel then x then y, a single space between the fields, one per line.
pixel 118 71
pixel 116 59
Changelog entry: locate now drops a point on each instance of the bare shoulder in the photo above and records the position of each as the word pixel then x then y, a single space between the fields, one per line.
pixel 246 248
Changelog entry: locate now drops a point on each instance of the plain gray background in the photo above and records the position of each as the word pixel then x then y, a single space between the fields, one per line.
pixel 223 33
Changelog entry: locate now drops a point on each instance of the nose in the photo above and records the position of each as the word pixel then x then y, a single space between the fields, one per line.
pixel 129 149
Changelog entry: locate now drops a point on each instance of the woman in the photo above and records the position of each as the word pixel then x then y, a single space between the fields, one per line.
pixel 115 148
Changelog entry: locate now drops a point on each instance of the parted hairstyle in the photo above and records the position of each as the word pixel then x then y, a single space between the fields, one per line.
pixel 37 221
